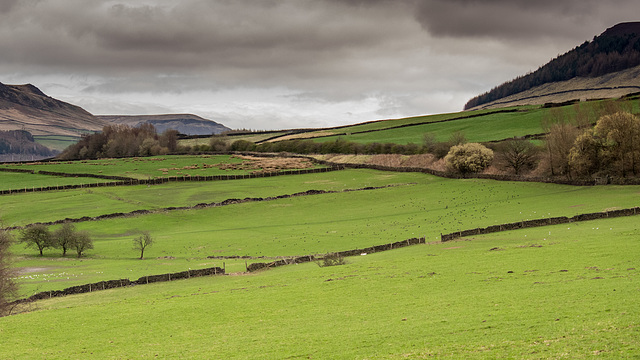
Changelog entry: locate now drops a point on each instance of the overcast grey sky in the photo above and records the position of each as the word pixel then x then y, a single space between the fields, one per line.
pixel 268 64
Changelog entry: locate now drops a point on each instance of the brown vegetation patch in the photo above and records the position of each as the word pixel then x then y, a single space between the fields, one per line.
pixel 261 164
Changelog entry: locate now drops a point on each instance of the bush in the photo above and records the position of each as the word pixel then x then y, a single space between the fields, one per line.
pixel 331 259
pixel 468 158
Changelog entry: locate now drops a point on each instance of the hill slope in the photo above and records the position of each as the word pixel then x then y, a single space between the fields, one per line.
pixel 604 67
pixel 187 124
pixel 25 107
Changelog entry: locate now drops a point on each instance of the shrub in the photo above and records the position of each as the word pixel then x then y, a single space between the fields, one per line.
pixel 468 158
pixel 331 259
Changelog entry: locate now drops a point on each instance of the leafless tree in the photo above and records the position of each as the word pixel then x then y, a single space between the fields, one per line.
pixel 8 287
pixel 142 242
pixel 518 154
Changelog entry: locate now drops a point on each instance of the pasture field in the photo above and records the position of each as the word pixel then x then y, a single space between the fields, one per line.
pixel 561 292
pixel 17 181
pixel 18 209
pixel 488 126
pixel 56 142
pixel 149 167
pixel 418 205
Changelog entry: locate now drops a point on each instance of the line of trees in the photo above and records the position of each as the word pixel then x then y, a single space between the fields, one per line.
pixel 66 238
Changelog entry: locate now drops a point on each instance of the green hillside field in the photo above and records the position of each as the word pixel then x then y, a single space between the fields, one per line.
pixel 534 293
pixel 571 294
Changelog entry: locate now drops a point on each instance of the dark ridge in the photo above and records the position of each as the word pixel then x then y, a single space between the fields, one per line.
pixel 616 49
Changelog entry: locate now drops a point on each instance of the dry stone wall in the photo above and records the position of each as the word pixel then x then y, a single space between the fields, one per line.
pixel 540 222
pixel 112 284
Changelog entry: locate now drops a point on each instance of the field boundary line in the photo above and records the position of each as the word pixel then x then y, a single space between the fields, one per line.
pixel 113 284
pixel 122 181
pixel 540 223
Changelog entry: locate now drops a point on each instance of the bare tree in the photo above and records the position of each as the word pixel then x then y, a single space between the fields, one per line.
pixel 559 142
pixel 518 154
pixel 37 236
pixel 8 287
pixel 142 242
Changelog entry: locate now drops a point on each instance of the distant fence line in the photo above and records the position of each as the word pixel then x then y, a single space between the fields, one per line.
pixel 541 222
pixel 123 181
pixel 444 174
pixel 112 284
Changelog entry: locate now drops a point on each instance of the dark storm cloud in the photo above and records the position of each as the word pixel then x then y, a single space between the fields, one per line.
pixel 388 57
pixel 523 19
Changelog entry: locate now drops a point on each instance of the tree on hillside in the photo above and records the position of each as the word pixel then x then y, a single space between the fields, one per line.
pixel 586 156
pixel 558 144
pixel 8 287
pixel 468 158
pixel 621 132
pixel 82 242
pixel 64 237
pixel 142 242
pixel 518 154
pixel 37 236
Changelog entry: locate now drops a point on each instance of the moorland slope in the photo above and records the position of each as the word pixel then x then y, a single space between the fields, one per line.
pixel 605 67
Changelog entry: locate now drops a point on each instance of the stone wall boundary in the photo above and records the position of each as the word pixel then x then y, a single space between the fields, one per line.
pixel 540 222
pixel 112 284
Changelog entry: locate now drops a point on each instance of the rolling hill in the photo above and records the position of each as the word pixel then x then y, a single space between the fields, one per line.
pixel 606 67
pixel 25 107
pixel 187 124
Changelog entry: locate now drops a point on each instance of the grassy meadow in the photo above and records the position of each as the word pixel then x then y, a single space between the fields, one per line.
pixel 555 292
pixel 568 295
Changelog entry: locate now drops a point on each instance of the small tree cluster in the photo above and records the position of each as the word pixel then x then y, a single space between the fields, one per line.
pixel 123 141
pixel 8 287
pixel 611 147
pixel 66 238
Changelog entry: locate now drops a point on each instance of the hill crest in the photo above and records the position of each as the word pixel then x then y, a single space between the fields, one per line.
pixel 615 50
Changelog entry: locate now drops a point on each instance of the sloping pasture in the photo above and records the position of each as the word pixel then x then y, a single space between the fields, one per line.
pixel 568 295
pixel 419 205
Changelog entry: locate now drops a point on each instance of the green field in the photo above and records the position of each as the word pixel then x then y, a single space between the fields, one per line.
pixel 534 293
pixel 56 142
pixel 484 126
pixel 572 295
pixel 18 181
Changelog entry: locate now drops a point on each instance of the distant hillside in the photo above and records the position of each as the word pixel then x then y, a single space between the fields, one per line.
pixel 590 70
pixel 18 145
pixel 25 107
pixel 187 124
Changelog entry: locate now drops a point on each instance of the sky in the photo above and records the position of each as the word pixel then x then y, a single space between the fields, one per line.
pixel 275 64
